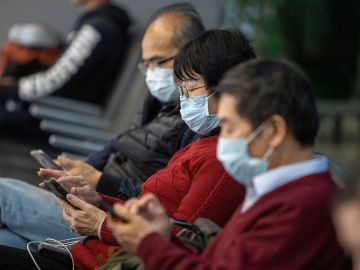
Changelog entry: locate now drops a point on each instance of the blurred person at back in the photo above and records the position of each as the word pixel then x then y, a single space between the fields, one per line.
pixel 86 70
pixel 346 216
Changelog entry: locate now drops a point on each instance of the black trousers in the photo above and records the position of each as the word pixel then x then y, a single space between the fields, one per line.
pixel 19 259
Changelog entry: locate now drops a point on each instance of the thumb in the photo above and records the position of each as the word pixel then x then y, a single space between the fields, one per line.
pixel 75 201
pixel 121 211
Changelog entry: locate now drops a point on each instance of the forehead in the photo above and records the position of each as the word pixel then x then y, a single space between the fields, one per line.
pixel 227 107
pixel 158 41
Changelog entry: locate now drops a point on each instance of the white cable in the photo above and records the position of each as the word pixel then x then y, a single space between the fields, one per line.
pixel 59 243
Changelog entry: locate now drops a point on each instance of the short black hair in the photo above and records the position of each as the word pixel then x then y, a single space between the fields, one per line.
pixel 191 26
pixel 265 87
pixel 211 55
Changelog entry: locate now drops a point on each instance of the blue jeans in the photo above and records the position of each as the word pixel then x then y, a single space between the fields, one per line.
pixel 28 213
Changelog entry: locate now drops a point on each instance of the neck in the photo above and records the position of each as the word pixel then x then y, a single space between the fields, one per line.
pixel 91 5
pixel 291 154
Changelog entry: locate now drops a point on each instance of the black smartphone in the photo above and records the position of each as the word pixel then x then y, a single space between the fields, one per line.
pixel 44 159
pixel 57 189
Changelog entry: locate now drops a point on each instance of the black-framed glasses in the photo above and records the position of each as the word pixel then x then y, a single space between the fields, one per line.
pixel 145 65
pixel 185 92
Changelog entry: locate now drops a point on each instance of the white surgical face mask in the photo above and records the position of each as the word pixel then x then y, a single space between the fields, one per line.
pixel 195 113
pixel 161 84
pixel 234 156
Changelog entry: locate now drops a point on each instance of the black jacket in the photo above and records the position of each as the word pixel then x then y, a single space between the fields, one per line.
pixel 141 151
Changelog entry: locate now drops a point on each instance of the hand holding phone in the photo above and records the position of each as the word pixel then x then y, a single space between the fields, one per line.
pixel 53 186
pixel 44 159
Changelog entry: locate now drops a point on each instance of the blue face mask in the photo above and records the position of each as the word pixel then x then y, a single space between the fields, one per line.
pixel 161 84
pixel 235 158
pixel 195 113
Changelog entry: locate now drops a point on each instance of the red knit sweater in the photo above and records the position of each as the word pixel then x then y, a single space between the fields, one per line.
pixel 194 184
pixel 288 228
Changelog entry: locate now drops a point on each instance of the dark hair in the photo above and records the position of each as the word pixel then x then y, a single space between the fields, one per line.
pixel 191 26
pixel 264 87
pixel 211 55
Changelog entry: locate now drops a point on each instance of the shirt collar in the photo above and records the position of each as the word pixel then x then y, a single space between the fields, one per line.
pixel 270 180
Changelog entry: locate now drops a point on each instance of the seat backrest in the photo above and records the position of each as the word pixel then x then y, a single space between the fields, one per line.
pixel 129 66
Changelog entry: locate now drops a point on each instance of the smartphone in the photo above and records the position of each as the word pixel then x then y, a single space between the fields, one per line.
pixel 57 189
pixel 44 159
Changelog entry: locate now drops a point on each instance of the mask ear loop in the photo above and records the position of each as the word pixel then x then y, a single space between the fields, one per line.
pixel 256 132
pixel 268 153
pixel 207 103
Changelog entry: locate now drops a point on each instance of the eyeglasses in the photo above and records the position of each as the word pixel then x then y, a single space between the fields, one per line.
pixel 185 92
pixel 145 65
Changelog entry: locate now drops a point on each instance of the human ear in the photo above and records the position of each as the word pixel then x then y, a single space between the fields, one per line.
pixel 277 130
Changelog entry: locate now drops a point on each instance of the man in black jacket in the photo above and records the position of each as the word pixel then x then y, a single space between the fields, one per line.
pixel 86 70
pixel 133 156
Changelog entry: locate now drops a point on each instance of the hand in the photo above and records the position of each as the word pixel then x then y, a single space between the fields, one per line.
pixel 77 167
pixel 80 187
pixel 143 216
pixel 48 173
pixel 86 220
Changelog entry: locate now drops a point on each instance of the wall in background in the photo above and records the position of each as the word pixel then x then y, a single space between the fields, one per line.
pixel 61 14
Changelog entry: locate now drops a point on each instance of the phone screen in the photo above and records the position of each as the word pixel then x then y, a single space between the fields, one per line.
pixel 44 159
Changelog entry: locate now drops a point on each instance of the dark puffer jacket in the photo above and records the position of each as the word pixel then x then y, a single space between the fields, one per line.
pixel 141 151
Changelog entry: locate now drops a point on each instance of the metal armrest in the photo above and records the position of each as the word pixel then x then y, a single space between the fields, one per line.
pixel 68 104
pixel 43 112
pixel 76 131
pixel 75 145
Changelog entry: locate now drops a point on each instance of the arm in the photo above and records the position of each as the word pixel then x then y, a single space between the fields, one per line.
pixel 211 189
pixel 99 159
pixel 120 187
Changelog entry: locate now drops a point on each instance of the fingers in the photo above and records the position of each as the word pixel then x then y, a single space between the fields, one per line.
pixel 72 181
pixel 121 211
pixel 148 199
pixel 65 163
pixel 75 201
pixel 46 173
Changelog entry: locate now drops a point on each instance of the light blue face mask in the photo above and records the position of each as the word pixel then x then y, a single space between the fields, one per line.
pixel 195 113
pixel 161 84
pixel 235 158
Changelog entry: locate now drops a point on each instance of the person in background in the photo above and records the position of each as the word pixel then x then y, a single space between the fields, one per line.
pixel 346 216
pixel 269 122
pixel 127 161
pixel 86 70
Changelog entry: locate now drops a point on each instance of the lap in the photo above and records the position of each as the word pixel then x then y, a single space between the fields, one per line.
pixel 18 259
pixel 30 212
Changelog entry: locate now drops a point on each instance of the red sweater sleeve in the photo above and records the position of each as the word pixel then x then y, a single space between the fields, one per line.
pixel 105 233
pixel 288 238
pixel 109 199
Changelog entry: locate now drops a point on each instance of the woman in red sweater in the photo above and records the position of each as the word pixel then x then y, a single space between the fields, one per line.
pixel 194 184
pixel 269 123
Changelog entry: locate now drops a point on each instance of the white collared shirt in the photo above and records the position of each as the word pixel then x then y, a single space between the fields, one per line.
pixel 270 180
